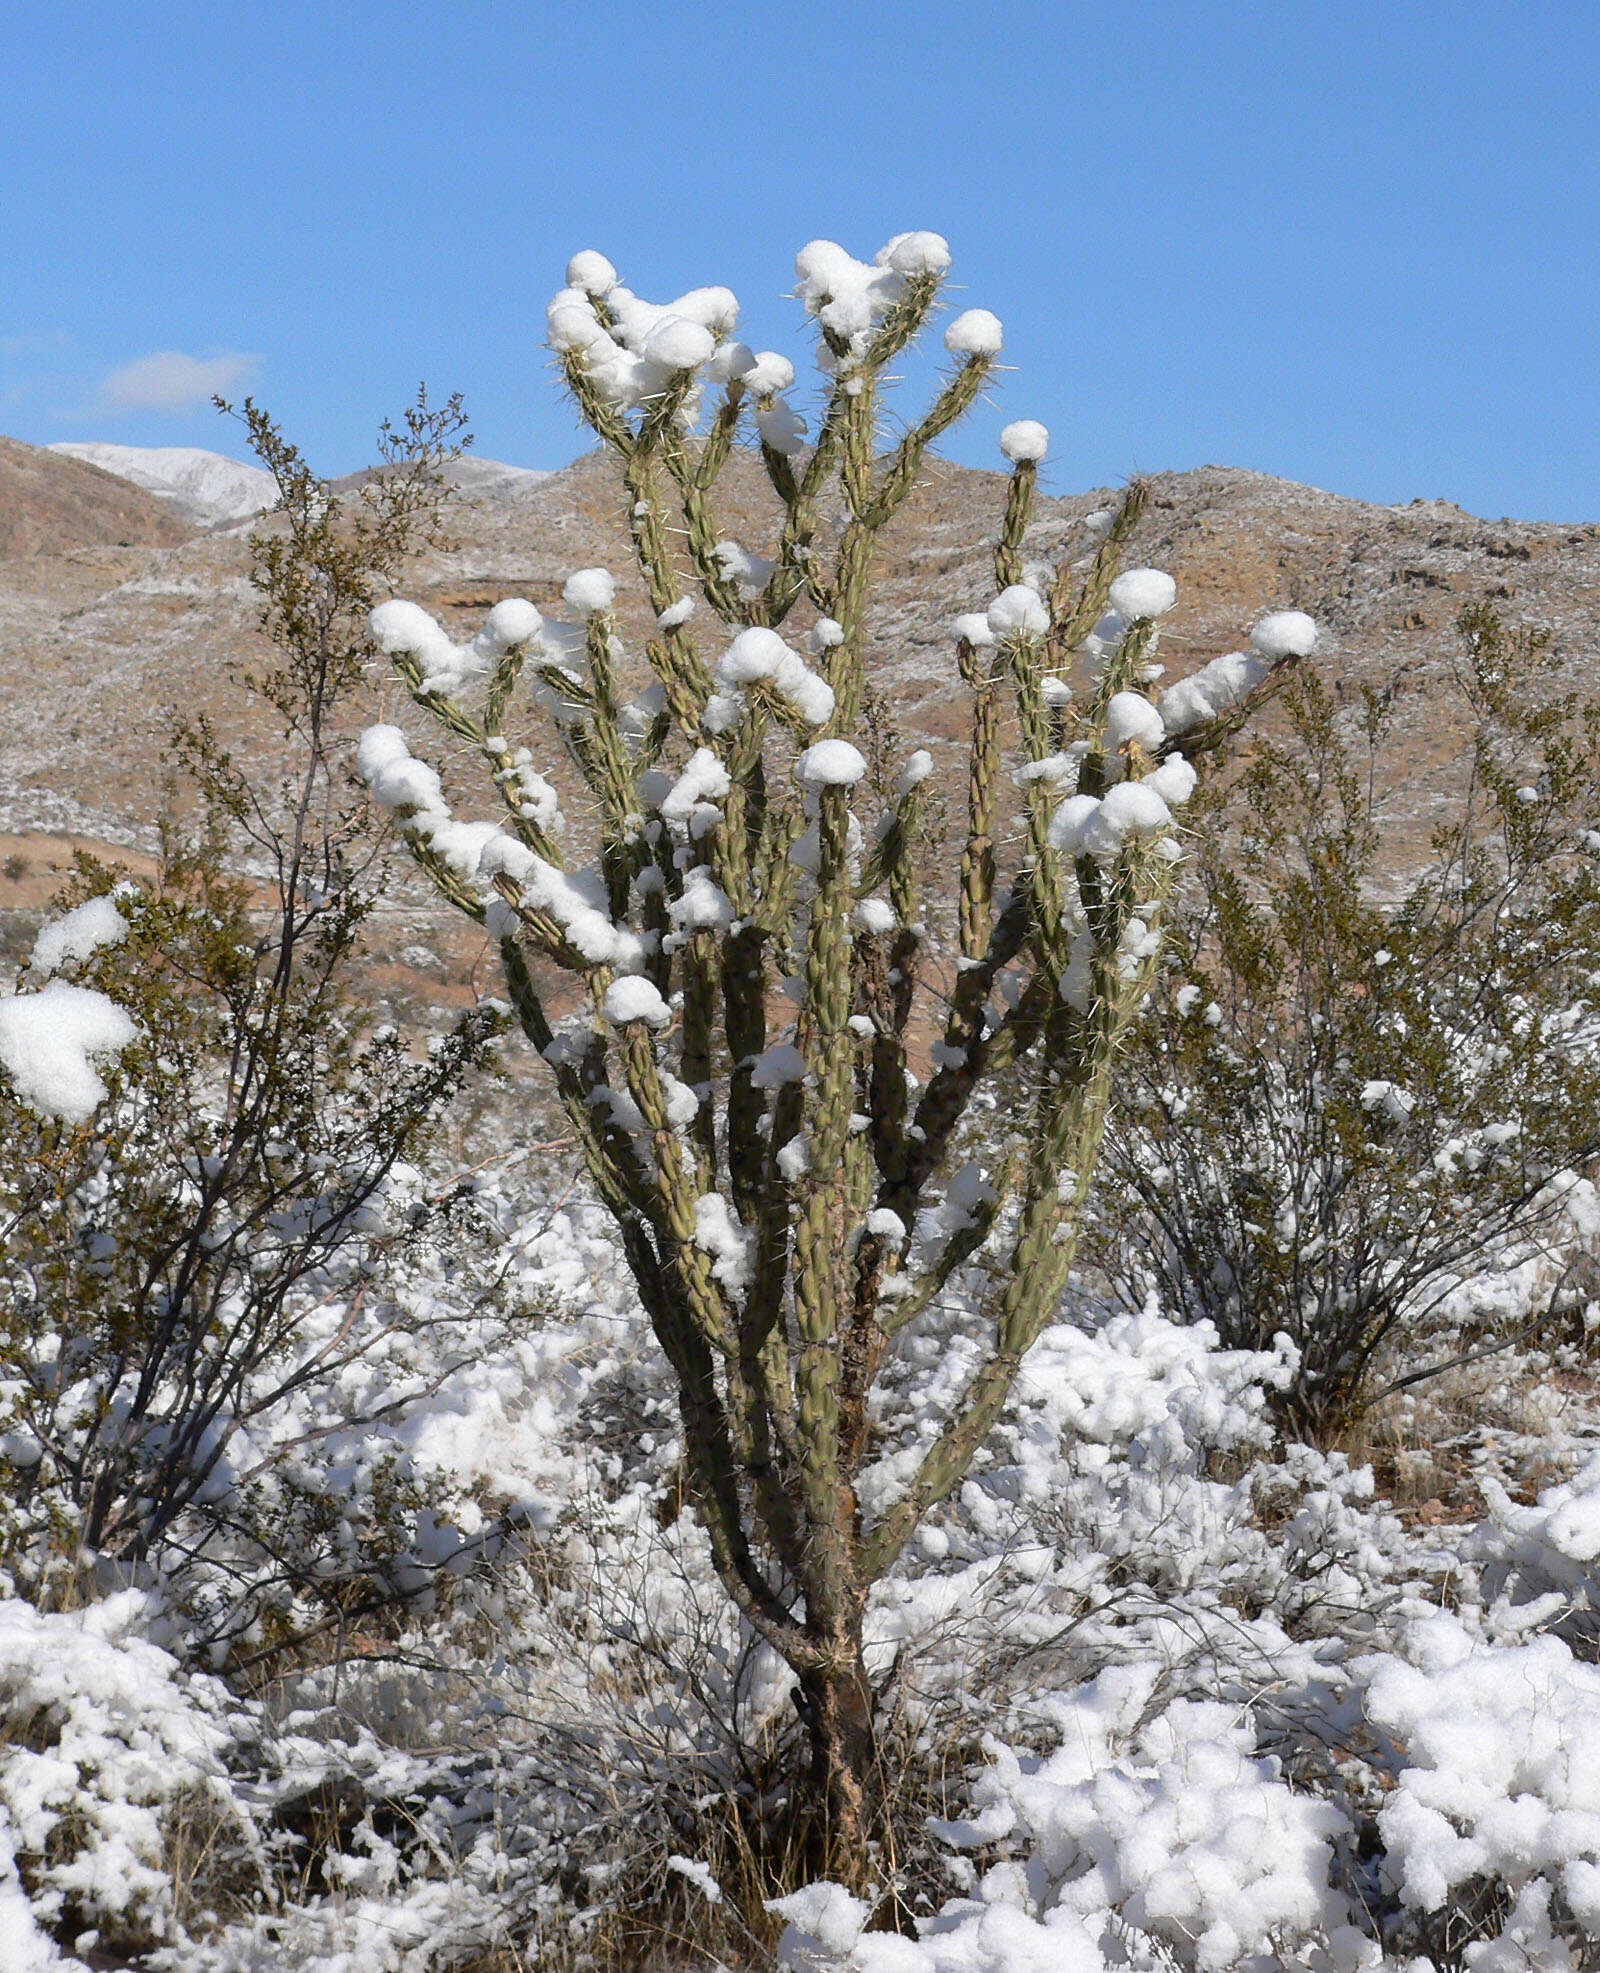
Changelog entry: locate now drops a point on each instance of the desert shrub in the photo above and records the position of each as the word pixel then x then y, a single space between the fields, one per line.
pixel 736 906
pixel 204 1141
pixel 1354 1084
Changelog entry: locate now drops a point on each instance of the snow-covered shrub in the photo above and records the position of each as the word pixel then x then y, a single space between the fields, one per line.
pixel 1151 1830
pixel 743 925
pixel 1539 1565
pixel 109 1763
pixel 1342 1103
pixel 204 1145
pixel 1492 1825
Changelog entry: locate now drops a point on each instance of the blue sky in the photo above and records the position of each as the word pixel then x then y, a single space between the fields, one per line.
pixel 1352 244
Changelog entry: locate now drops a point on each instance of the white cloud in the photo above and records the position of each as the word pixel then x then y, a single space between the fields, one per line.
pixel 167 380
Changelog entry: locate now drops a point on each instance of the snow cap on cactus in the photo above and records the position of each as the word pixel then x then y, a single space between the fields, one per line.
pixel 1211 690
pixel 1025 440
pixel 1069 821
pixel 1174 780
pixel 571 325
pixel 761 654
pixel 509 623
pixel 1130 717
pixel 1284 634
pixel 975 332
pixel 1134 808
pixel 679 344
pixel 914 253
pixel 1018 612
pixel 588 590
pixel 1084 826
pixel 830 764
pixel 768 372
pixel 591 272
pixel 1143 593
pixel 973 628
pixel 634 998
pixel 843 293
pixel 398 626
pixel 916 770
pixel 731 361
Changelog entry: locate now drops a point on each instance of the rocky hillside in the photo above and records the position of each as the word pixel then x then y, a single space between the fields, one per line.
pixel 111 613
pixel 51 505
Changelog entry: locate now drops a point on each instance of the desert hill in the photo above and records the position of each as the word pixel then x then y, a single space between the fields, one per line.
pixel 52 505
pixel 104 628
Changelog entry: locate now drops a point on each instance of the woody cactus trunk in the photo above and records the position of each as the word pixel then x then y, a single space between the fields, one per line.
pixel 752 953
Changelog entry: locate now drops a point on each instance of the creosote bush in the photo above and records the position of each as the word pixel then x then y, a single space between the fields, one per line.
pixel 202 1133
pixel 744 933
pixel 1343 1102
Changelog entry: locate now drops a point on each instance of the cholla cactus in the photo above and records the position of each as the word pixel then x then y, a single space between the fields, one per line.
pixel 751 949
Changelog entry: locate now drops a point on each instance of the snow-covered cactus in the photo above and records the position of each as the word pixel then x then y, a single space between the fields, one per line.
pixel 746 928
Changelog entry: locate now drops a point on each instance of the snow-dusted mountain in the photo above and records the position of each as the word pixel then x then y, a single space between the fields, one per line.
pixel 210 490
pixel 207 488
pixel 492 476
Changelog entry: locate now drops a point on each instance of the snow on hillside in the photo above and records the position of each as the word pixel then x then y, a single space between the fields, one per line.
pixel 492 476
pixel 206 487
pixel 212 490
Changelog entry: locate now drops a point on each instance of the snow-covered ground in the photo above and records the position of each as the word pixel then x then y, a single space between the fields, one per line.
pixel 1179 1696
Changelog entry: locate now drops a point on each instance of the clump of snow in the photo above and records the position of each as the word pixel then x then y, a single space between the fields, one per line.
pixel 644 346
pixel 1142 593
pixel 1131 719
pixel 397 779
pixel 822 1923
pixel 1018 612
pixel 1211 690
pixel 1284 634
pixel 914 253
pixel 761 655
pixel 830 764
pixel 919 765
pixel 511 622
pixel 634 998
pixel 1501 1774
pixel 50 1042
pixel 768 373
pixel 1168 1830
pixel 399 627
pixel 100 1744
pixel 577 900
pixel 77 935
pixel 1024 440
pixel 975 332
pixel 591 272
pixel 781 1063
pixel 718 1232
pixel 844 294
pixel 973 628
pixel 701 906
pixel 1174 780
pixel 1085 826
pixel 704 781
pixel 677 344
pixel 589 590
